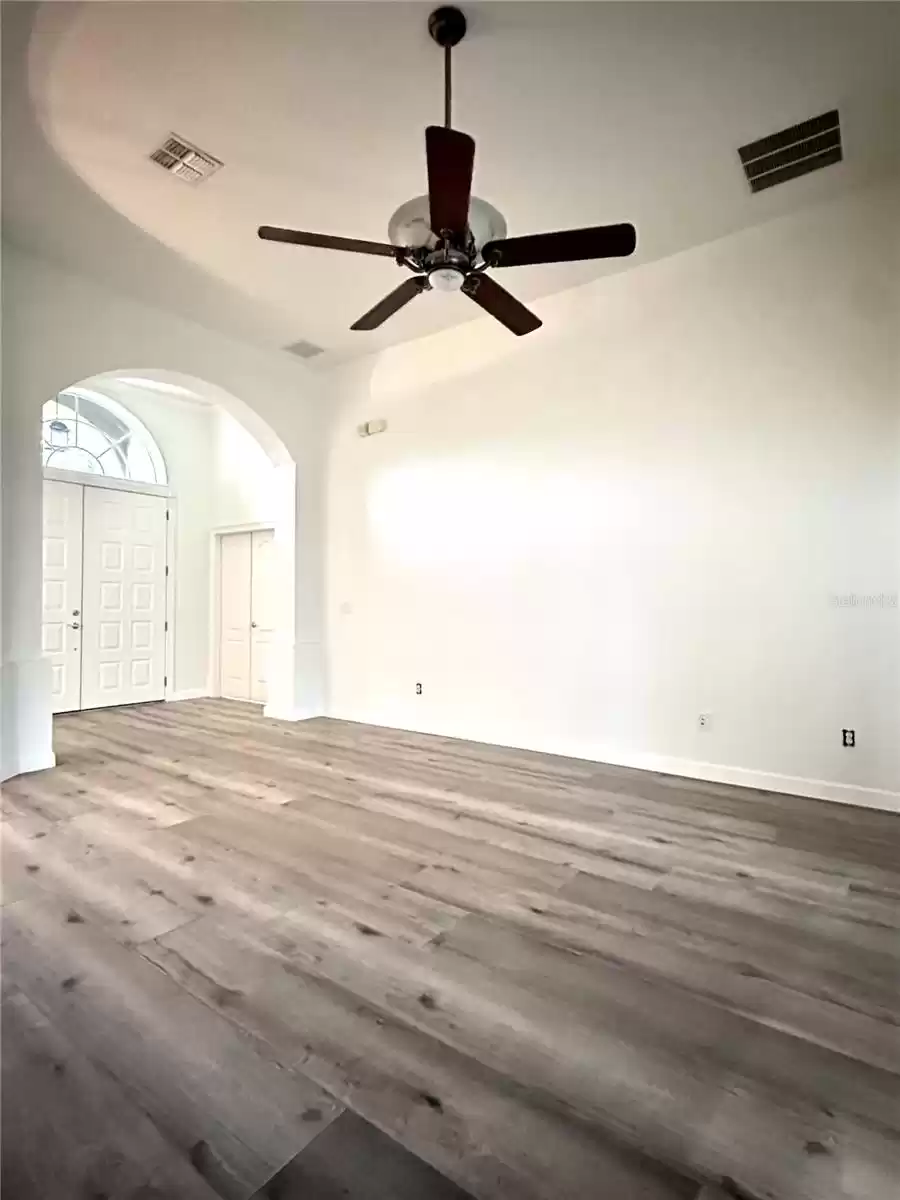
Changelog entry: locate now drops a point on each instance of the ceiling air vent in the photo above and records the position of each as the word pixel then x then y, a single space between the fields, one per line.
pixel 180 158
pixel 304 349
pixel 795 151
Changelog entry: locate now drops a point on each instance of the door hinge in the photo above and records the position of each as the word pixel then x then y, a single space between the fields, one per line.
pixel 165 626
pixel 167 572
pixel 165 681
pixel 167 514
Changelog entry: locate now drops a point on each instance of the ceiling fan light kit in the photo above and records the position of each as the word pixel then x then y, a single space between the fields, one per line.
pixel 449 238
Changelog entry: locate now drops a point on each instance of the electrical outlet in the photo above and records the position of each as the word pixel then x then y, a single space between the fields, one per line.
pixel 418 689
pixel 848 737
pixel 704 721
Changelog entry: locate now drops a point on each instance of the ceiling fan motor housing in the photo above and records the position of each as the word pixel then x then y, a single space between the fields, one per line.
pixel 411 225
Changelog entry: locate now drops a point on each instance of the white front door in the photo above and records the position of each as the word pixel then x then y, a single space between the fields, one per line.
pixel 262 611
pixel 234 615
pixel 124 590
pixel 61 616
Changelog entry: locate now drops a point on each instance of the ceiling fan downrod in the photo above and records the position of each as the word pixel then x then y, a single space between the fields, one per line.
pixel 447 25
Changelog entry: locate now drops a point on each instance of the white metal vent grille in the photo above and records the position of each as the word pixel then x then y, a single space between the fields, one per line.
pixel 179 157
pixel 304 349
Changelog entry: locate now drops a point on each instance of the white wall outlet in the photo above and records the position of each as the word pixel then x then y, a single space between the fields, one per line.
pixel 704 721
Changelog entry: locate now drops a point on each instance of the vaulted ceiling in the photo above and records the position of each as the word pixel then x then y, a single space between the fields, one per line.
pixel 582 114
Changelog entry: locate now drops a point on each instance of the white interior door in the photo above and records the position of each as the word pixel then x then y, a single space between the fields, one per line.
pixel 124 593
pixel 61 616
pixel 262 611
pixel 234 615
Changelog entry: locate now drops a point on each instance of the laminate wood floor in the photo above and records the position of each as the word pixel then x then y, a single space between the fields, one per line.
pixel 243 957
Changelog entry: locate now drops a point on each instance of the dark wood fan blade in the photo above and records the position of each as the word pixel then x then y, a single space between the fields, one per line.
pixel 500 304
pixel 568 245
pixel 408 290
pixel 451 158
pixel 271 233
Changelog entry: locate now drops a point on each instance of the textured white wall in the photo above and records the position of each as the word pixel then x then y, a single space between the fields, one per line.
pixel 582 540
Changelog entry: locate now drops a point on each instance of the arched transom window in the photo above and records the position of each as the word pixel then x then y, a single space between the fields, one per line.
pixel 84 431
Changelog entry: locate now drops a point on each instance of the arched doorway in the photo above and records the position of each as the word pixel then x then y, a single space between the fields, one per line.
pixel 167 544
pixel 61 330
pixel 95 433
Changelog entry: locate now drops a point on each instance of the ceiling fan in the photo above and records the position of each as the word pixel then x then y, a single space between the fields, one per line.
pixel 450 238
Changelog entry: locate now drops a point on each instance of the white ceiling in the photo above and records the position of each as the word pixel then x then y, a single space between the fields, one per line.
pixel 582 114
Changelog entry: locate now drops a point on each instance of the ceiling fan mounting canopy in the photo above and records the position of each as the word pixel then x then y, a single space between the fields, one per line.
pixel 449 238
pixel 447 25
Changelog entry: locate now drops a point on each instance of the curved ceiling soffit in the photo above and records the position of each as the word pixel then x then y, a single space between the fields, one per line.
pixel 212 393
pixel 52 28
pixel 100 123
pixel 180 220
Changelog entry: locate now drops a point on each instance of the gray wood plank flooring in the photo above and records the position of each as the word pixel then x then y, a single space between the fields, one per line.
pixel 244 957
pixel 352 1160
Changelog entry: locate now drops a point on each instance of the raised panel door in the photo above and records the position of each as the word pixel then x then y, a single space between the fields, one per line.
pixel 124 649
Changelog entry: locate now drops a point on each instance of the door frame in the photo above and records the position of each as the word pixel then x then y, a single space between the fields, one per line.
pixel 76 598
pixel 107 481
pixel 214 683
pixel 86 479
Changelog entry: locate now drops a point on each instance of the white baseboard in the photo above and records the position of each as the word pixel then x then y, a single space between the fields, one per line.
pixel 26 765
pixel 189 694
pixel 748 777
pixel 764 781
pixel 277 713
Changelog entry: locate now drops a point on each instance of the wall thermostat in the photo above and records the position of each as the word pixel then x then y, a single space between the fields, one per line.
pixel 369 427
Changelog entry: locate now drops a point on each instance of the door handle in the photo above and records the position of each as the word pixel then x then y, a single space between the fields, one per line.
pixel 252 624
pixel 74 625
pixel 76 612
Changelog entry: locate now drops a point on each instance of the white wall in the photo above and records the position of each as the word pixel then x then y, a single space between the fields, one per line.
pixel 581 540
pixel 245 490
pixel 576 541
pixel 60 329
